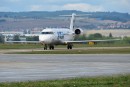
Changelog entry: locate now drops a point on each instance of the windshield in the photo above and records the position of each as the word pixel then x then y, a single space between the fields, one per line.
pixel 47 32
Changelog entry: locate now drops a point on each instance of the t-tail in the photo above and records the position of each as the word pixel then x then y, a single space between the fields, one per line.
pixel 72 21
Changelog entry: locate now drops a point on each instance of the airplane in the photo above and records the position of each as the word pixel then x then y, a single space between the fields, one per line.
pixel 50 37
pixel 63 36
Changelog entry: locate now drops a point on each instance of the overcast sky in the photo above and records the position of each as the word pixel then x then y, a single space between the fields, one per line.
pixel 53 5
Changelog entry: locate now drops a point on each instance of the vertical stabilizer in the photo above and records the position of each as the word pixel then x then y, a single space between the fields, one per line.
pixel 72 21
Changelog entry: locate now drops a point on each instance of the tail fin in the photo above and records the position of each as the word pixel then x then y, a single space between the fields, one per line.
pixel 72 21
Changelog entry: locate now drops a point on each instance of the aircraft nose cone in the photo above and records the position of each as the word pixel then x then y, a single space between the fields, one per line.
pixel 46 39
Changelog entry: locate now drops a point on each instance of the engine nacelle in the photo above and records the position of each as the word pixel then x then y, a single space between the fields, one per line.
pixel 78 31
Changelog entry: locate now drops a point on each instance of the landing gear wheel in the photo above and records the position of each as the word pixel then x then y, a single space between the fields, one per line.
pixel 51 47
pixel 45 47
pixel 69 46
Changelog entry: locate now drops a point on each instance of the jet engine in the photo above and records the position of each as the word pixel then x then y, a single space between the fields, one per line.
pixel 78 31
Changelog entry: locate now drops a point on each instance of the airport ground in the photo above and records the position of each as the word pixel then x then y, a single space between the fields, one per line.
pixel 99 65
pixel 32 46
pixel 104 81
pixel 29 70
pixel 100 48
pixel 79 50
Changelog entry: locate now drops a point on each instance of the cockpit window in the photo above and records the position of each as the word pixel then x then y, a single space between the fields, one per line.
pixel 47 32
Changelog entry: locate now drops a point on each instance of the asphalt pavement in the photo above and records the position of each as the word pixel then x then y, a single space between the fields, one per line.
pixel 28 67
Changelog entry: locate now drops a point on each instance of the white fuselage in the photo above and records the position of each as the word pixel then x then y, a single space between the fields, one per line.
pixel 55 36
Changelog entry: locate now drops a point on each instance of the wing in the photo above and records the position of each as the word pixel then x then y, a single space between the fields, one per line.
pixel 85 41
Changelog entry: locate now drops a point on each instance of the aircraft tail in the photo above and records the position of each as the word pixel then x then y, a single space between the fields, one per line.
pixel 72 21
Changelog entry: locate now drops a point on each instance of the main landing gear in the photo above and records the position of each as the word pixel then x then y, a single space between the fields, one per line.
pixel 51 47
pixel 69 46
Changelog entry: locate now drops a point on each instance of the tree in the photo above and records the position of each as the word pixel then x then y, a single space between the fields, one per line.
pixel 1 38
pixel 110 35
pixel 95 36
pixel 16 38
pixel 126 39
pixel 80 37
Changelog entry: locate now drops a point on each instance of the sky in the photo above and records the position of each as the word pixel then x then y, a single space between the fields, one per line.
pixel 56 5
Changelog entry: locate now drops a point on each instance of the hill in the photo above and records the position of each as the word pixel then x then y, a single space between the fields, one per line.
pixel 116 16
pixel 41 19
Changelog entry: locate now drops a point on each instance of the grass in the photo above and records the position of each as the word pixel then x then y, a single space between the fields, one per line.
pixel 31 46
pixel 19 46
pixel 81 51
pixel 102 81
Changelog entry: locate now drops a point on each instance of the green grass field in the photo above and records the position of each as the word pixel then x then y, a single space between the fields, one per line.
pixel 89 51
pixel 81 51
pixel 102 81
pixel 31 46
pixel 20 46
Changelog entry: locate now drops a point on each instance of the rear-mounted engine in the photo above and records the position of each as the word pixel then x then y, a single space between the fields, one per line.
pixel 78 31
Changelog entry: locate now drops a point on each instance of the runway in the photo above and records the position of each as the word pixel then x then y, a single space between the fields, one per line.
pixel 24 67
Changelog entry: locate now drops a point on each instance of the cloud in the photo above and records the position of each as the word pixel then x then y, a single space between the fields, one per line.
pixel 14 0
pixel 83 7
pixel 78 6
pixel 44 8
pixel 36 8
pixel 52 5
pixel 5 9
pixel 123 3
pixel 117 5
